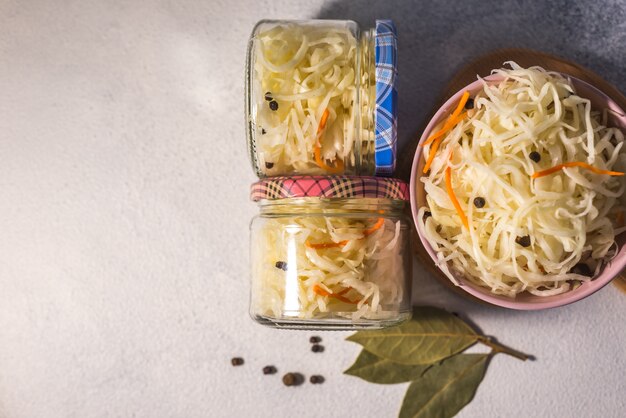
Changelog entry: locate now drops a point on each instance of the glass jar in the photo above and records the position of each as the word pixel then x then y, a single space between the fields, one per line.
pixel 321 98
pixel 330 252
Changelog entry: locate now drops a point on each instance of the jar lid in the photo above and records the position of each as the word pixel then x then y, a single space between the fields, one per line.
pixel 329 187
pixel 386 118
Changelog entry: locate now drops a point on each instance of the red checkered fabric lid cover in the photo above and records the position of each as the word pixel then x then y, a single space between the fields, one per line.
pixel 329 187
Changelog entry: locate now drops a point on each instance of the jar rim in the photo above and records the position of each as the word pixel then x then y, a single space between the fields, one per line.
pixel 329 187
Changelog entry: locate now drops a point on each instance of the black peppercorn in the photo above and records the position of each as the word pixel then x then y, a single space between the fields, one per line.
pixel 236 361
pixel 269 165
pixel 479 202
pixel 269 370
pixel 535 156
pixel 316 378
pixel 289 379
pixel 281 265
pixel 317 348
pixel 469 104
pixel 268 96
pixel 582 269
pixel 293 379
pixel 315 339
pixel 274 105
pixel 523 241
pixel 263 131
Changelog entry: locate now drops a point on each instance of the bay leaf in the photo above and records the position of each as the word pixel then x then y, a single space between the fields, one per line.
pixel 432 335
pixel 374 369
pixel 446 388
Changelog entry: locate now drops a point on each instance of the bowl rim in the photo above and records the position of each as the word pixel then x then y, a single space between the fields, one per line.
pixel 561 300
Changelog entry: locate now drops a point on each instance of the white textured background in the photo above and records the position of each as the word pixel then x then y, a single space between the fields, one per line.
pixel 124 215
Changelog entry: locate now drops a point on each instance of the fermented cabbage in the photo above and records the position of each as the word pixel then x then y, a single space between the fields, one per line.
pixel 302 72
pixel 544 234
pixel 309 267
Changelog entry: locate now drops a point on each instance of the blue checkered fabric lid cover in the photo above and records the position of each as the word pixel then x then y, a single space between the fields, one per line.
pixel 386 42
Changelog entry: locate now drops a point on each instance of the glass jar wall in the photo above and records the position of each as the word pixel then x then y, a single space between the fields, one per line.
pixel 338 263
pixel 312 99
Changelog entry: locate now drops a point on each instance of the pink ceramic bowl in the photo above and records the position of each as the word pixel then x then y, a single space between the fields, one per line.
pixel 524 301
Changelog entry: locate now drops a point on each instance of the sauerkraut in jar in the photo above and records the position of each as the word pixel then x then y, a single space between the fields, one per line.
pixel 330 252
pixel 314 104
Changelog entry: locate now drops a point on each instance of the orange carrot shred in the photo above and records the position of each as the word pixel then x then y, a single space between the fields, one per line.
pixel 437 141
pixel 325 244
pixel 451 119
pixel 367 232
pixel 586 166
pixel 338 168
pixel 317 289
pixel 431 154
pixel 461 104
pixel 344 291
pixel 317 150
pixel 450 123
pixel 455 202
pixel 323 121
pixel 374 228
pixel 443 130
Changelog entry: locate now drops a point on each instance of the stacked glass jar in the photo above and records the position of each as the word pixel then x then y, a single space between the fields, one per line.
pixel 330 248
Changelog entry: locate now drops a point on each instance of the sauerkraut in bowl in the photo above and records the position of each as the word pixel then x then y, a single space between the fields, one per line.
pixel 518 188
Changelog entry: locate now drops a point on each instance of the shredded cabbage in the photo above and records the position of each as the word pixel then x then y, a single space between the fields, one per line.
pixel 307 69
pixel 291 280
pixel 571 217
